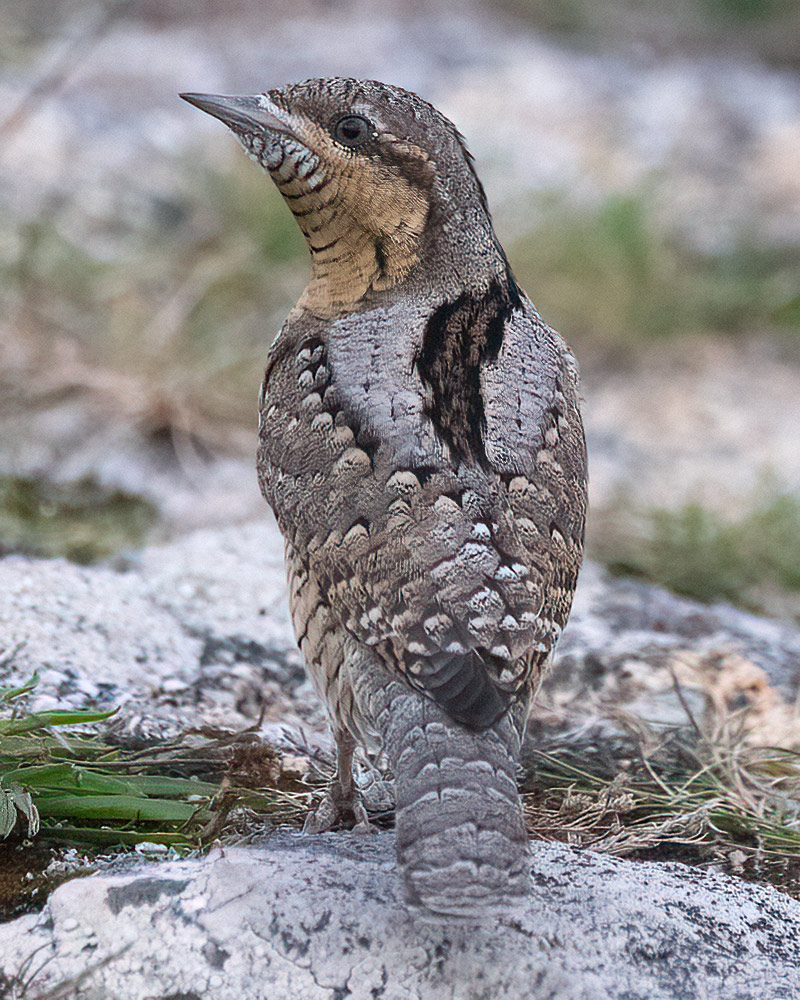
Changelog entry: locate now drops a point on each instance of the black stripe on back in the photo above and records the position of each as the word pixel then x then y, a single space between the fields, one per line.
pixel 459 337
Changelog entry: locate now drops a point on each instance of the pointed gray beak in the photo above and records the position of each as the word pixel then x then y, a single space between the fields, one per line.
pixel 249 113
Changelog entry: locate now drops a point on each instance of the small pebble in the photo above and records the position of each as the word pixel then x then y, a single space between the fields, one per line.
pixel 146 847
pixel 173 684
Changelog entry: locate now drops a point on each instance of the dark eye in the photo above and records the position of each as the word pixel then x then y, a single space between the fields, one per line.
pixel 352 130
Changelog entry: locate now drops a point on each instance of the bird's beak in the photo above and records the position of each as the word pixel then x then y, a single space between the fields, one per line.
pixel 254 113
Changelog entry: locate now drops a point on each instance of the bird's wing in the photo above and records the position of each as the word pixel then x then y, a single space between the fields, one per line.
pixel 500 560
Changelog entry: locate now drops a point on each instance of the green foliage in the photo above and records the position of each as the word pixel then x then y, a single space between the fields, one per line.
pixel 788 313
pixel 81 788
pixel 742 10
pixel 79 520
pixel 51 781
pixel 695 552
pixel 16 802
pixel 764 29
pixel 612 278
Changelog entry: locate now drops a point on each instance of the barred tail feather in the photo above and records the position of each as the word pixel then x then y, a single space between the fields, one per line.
pixel 461 841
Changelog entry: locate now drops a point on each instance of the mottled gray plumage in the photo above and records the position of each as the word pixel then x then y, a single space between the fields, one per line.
pixel 422 448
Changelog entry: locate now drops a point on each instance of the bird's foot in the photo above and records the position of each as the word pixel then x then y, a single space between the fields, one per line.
pixel 339 810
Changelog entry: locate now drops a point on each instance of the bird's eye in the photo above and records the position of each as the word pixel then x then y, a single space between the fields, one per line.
pixel 352 130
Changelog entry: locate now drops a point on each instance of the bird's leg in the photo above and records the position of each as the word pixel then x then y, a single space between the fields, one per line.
pixel 341 806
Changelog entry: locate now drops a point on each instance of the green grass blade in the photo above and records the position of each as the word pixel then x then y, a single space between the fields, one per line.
pixel 49 778
pixel 44 720
pixel 115 807
pixel 103 836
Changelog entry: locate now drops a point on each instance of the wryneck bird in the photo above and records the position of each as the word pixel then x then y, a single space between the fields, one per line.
pixel 422 448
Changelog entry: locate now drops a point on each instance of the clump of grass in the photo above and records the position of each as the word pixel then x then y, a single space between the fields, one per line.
pixel 81 788
pixel 736 11
pixel 612 278
pixel 644 791
pixel 73 789
pixel 788 313
pixel 80 520
pixel 63 785
pixel 698 553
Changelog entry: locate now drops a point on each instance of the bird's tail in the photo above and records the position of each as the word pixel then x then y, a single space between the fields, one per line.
pixel 461 841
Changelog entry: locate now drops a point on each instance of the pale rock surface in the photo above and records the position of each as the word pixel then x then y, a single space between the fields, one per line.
pixel 321 918
pixel 198 631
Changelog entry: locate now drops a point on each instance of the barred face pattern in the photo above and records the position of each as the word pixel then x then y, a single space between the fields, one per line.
pixel 422 448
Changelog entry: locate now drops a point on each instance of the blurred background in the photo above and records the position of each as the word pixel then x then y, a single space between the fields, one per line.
pixel 642 161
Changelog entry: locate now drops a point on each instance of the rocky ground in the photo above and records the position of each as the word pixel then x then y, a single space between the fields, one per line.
pixel 321 918
pixel 197 632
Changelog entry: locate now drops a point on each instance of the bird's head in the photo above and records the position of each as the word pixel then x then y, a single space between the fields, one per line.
pixel 379 181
